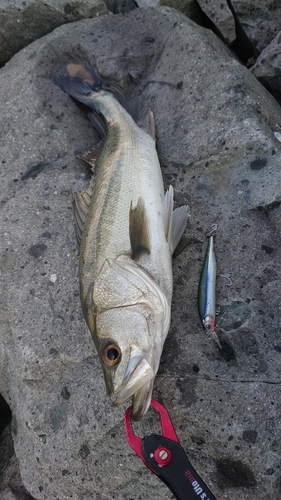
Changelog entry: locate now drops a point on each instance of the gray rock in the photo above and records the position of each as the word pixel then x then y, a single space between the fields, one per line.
pixel 267 67
pixel 261 20
pixel 220 14
pixel 11 485
pixel 215 127
pixel 187 7
pixel 147 3
pixel 23 22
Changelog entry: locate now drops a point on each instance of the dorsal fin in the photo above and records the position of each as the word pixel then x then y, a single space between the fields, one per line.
pixel 179 220
pixel 174 221
pixel 139 230
pixel 148 124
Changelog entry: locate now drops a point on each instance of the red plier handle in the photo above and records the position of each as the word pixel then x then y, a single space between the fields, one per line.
pixel 164 456
pixel 166 425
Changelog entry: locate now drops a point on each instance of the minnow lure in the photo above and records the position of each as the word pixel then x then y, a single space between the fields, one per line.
pixel 207 290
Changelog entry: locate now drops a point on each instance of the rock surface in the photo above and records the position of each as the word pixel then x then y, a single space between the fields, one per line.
pixel 261 20
pixel 215 128
pixel 220 14
pixel 267 67
pixel 11 485
pixel 23 22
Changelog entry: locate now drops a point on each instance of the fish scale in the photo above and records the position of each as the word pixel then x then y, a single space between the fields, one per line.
pixel 121 177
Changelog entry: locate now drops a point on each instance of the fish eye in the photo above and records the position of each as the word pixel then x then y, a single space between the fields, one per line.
pixel 111 354
pixel 208 328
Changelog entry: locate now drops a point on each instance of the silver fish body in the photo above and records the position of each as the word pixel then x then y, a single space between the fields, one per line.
pixel 129 234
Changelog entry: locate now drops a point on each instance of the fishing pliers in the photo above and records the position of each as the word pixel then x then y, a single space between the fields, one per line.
pixel 165 457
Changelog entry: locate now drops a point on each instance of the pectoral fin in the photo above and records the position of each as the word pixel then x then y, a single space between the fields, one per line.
pixel 139 230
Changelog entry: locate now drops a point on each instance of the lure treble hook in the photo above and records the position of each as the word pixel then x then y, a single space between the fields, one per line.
pixel 213 229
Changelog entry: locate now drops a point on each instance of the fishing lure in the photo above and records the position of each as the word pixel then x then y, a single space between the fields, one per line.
pixel 207 290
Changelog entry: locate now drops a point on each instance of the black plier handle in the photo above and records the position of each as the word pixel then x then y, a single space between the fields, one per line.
pixel 164 456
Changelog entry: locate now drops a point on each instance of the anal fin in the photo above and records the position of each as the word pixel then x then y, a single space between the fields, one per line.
pixel 81 202
pixel 91 155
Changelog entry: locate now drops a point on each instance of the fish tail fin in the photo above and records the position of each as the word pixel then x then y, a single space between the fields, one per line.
pixel 80 81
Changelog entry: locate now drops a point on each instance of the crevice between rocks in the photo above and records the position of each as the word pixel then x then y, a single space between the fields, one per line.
pixel 5 414
pixel 242 47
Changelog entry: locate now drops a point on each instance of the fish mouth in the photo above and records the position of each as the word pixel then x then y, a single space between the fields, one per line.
pixel 137 383
pixel 141 401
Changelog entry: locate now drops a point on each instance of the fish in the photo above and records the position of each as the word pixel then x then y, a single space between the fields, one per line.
pixel 207 291
pixel 128 230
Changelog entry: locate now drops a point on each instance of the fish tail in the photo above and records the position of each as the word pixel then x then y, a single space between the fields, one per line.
pixel 80 81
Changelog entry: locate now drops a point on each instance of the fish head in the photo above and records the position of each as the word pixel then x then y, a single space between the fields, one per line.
pixel 129 355
pixel 131 323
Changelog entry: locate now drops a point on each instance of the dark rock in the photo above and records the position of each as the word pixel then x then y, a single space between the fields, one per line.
pixel 5 414
pixel 46 234
pixel 58 415
pixel 227 350
pixel 65 393
pixel 250 436
pixel 234 474
pixel 258 164
pixel 35 169
pixel 199 440
pixel 37 250
pixel 267 249
pixel 84 451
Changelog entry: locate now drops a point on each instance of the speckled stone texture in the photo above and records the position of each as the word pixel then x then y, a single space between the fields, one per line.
pixel 267 67
pixel 22 22
pixel 216 137
pixel 260 19
pixel 220 14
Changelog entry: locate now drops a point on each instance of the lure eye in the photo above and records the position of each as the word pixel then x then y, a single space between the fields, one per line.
pixel 111 354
